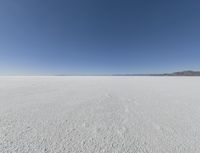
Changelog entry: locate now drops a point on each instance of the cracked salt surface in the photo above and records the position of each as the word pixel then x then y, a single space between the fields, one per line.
pixel 99 114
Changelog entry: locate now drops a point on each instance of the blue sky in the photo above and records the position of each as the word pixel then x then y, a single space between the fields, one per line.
pixel 40 37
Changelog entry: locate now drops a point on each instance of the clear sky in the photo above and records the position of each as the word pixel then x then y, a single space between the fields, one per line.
pixel 98 36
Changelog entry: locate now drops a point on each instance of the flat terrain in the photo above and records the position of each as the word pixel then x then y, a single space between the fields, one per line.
pixel 99 114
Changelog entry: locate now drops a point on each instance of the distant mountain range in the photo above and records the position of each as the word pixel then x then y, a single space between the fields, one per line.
pixel 183 73
pixel 180 73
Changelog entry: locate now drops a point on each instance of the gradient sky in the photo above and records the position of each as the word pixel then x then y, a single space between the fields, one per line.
pixel 98 36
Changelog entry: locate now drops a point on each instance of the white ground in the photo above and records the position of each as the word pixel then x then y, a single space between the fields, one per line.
pixel 100 114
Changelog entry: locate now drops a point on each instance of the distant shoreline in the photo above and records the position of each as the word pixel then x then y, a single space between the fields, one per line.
pixel 179 73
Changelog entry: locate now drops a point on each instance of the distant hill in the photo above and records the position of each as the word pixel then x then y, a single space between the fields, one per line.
pixel 180 73
pixel 183 73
